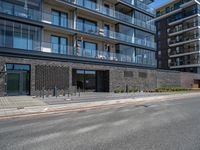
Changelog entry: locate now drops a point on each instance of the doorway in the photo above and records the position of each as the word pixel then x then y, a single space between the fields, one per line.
pixel 91 80
pixel 18 80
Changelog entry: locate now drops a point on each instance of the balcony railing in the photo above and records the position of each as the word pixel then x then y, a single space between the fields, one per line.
pixel 172 8
pixel 185 62
pixel 184 51
pixel 147 59
pixel 48 18
pixel 87 28
pixel 184 27
pixel 184 15
pixel 112 13
pixel 186 38
pixel 140 5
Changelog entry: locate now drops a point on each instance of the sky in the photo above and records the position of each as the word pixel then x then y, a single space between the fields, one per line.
pixel 158 3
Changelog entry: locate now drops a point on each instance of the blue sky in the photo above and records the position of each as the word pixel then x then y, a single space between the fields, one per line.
pixel 158 3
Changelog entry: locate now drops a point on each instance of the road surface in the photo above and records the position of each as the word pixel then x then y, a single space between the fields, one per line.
pixel 169 125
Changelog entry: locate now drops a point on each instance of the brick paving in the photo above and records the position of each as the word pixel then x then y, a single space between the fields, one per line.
pixel 19 102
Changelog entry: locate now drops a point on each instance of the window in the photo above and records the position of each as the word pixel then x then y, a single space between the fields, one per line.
pixel 87 49
pixel 18 35
pixel 177 5
pixel 106 9
pixel 91 4
pixel 87 25
pixel 106 30
pixel 59 18
pixel 167 10
pixel 59 45
pixel 6 8
pixel 17 67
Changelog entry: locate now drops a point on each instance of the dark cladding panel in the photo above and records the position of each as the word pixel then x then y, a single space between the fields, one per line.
pixel 51 76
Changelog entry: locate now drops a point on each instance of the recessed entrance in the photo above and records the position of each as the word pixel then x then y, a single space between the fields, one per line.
pixel 91 80
pixel 18 79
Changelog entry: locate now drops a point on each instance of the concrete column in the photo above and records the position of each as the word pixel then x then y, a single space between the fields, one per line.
pixel 74 18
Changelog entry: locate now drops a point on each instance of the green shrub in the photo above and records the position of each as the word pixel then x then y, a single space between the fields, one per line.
pixel 171 89
pixel 117 91
pixel 122 90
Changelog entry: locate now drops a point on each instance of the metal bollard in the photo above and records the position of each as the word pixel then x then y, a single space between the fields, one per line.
pixel 79 91
pixel 64 93
pixel 43 90
pixel 126 88
pixel 68 93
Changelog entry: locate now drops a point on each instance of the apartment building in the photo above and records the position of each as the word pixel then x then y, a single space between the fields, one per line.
pixel 74 44
pixel 178 36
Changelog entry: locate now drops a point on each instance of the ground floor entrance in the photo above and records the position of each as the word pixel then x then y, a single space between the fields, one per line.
pixel 17 79
pixel 196 84
pixel 91 80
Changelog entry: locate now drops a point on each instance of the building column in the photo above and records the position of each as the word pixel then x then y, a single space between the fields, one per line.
pixel 74 18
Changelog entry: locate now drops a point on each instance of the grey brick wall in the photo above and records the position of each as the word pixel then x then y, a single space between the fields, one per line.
pixel 143 79
pixel 2 78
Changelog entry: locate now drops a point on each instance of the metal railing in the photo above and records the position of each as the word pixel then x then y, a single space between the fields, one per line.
pixel 184 27
pixel 184 39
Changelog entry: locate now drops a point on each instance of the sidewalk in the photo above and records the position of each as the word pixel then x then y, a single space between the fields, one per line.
pixel 39 107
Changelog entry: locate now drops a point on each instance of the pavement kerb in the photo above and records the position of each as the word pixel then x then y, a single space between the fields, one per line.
pixel 53 109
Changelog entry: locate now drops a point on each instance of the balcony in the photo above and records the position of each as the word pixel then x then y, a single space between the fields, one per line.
pixel 184 28
pixel 141 6
pixel 63 51
pixel 88 29
pixel 186 39
pixel 184 16
pixel 112 13
pixel 184 52
pixel 173 9
pixel 185 63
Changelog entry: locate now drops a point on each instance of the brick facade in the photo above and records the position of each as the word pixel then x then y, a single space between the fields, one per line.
pixel 119 77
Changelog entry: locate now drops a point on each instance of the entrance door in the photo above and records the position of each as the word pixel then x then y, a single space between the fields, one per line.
pixel 86 80
pixel 18 83
pixel 13 83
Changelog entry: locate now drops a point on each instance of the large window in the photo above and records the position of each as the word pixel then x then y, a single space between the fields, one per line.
pixel 87 49
pixel 90 4
pixel 145 57
pixel 32 11
pixel 59 18
pixel 18 35
pixel 86 25
pixel 59 44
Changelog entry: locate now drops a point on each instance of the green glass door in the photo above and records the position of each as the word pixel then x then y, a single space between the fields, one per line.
pixel 25 83
pixel 13 83
pixel 18 83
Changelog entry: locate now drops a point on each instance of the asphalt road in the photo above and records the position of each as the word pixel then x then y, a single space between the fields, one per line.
pixel 170 125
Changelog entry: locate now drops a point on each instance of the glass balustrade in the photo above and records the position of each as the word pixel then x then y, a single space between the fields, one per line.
pixel 49 18
pixel 112 13
pixel 27 44
pixel 184 27
pixel 140 5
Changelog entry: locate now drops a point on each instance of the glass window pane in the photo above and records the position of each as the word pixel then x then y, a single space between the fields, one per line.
pixel 55 17
pixel 20 11
pixel 63 20
pixel 79 24
pixel 55 44
pixel 90 49
pixel 6 8
pixel 63 45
